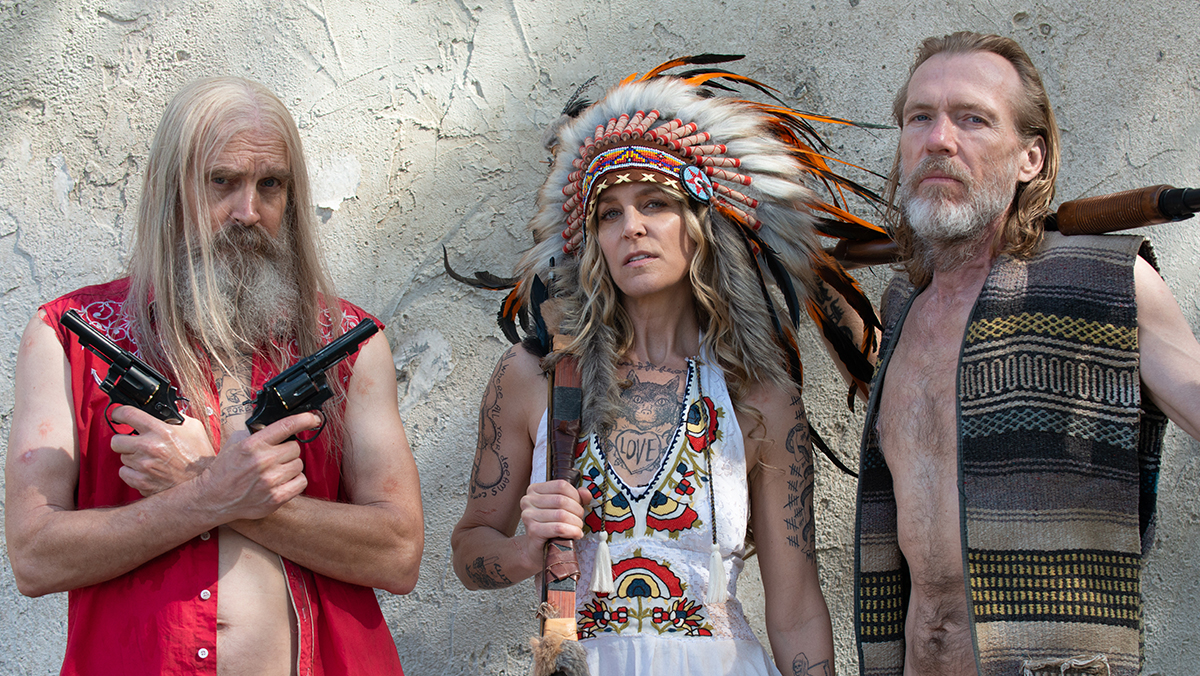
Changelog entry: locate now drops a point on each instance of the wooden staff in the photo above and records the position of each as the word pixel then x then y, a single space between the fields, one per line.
pixel 1086 216
pixel 558 652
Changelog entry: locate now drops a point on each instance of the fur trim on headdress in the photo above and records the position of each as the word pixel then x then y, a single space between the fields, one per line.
pixel 761 163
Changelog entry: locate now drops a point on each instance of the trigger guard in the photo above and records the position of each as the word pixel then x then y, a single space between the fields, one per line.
pixel 108 419
pixel 316 433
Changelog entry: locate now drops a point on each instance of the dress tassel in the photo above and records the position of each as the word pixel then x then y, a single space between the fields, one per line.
pixel 602 577
pixel 717 592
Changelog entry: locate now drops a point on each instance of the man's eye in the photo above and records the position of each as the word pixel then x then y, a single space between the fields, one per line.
pixel 219 180
pixel 271 183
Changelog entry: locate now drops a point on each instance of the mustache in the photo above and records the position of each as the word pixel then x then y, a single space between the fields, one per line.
pixel 940 164
pixel 249 282
pixel 248 239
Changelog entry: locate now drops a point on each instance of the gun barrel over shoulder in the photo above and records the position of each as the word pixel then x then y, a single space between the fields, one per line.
pixel 1085 216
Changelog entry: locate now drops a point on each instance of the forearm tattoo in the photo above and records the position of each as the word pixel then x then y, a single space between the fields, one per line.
pixel 831 304
pixel 799 515
pixel 486 573
pixel 801 667
pixel 489 475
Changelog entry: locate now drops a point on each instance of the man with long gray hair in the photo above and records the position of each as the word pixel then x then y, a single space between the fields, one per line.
pixel 1011 448
pixel 202 547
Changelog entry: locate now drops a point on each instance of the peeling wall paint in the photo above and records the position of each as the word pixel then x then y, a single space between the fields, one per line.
pixel 422 122
pixel 334 181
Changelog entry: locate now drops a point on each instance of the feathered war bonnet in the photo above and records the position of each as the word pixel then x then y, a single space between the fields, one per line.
pixel 754 165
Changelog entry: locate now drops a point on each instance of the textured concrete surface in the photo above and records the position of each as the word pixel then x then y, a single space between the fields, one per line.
pixel 422 124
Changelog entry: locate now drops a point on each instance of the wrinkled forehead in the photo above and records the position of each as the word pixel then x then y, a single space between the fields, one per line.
pixel 254 149
pixel 956 81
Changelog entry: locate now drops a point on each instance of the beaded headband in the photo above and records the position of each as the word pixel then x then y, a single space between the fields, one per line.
pixel 627 151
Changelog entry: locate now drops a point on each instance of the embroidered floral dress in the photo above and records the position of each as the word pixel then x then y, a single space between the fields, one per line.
pixel 656 620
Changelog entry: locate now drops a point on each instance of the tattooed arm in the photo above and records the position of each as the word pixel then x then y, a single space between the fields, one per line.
pixel 849 324
pixel 488 554
pixel 781 505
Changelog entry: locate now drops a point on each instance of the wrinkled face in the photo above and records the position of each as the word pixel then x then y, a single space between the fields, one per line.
pixel 961 157
pixel 641 233
pixel 248 182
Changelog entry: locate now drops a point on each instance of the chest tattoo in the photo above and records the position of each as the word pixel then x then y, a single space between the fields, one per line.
pixel 647 421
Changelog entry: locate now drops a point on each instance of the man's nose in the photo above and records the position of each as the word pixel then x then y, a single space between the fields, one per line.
pixel 245 206
pixel 941 140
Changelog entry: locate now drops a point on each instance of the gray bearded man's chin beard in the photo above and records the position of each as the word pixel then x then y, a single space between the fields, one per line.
pixel 949 233
pixel 256 287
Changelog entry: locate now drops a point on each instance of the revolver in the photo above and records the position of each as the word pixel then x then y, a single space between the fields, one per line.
pixel 130 381
pixel 303 387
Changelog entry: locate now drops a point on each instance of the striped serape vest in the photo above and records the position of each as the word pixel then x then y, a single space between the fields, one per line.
pixel 1058 468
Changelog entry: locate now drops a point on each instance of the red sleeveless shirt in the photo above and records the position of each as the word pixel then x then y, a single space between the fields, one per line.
pixel 161 618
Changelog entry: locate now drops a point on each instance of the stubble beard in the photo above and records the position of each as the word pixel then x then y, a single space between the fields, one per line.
pixel 947 232
pixel 255 281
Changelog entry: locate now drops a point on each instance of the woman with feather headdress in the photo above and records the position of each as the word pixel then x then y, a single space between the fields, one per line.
pixel 667 218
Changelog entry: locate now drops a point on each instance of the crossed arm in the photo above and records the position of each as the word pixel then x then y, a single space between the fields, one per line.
pixel 53 546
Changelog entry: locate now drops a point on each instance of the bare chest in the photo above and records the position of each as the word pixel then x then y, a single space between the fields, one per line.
pixel 255 618
pixel 918 434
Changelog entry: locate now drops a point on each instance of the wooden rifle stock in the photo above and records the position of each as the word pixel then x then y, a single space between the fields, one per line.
pixel 1085 216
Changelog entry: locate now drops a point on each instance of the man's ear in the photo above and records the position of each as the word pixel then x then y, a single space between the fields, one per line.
pixel 1031 161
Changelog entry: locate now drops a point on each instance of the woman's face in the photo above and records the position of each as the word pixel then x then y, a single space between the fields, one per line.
pixel 644 241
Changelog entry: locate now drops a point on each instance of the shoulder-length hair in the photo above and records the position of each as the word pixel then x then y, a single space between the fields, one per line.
pixel 1022 231
pixel 730 309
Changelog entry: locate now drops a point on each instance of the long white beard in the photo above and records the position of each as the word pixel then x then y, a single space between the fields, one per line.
pixel 256 290
pixel 938 220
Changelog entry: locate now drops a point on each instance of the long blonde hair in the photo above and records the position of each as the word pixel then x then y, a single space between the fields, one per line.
pixel 730 310
pixel 198 123
pixel 1022 231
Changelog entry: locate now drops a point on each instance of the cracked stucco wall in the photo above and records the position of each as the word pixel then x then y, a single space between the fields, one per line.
pixel 422 124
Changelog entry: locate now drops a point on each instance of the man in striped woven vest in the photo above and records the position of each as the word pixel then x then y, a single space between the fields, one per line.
pixel 1010 455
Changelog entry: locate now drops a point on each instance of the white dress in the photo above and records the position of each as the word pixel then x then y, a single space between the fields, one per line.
pixel 660 539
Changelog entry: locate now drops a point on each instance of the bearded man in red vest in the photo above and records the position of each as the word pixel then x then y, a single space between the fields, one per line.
pixel 201 548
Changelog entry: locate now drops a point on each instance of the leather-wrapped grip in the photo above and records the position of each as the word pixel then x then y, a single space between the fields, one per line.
pixel 563 432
